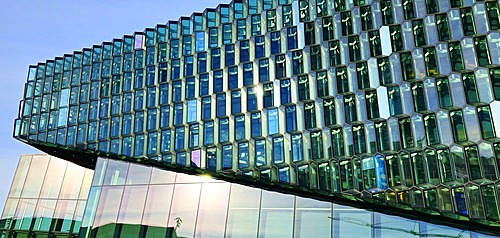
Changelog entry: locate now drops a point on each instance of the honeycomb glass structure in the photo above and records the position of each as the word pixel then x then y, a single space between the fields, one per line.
pixel 378 102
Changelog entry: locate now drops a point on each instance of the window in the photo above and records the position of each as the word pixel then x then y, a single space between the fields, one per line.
pixel 218 81
pixel 309 33
pixel 455 51
pixel 192 109
pixel 179 138
pixel 206 108
pixel 387 15
pixel 271 20
pixel 247 74
pixel 467 17
pixel 304 10
pixel 233 77
pixel 346 23
pixel 188 65
pixel 208 133
pixel 251 99
pixel 287 15
pixel 229 55
pixel 239 127
pixel 316 145
pixel 297 148
pixel 329 112
pixel 419 32
pixel 309 115
pixel 235 102
pixel 366 18
pixel 241 29
pixel 275 42
pixel 280 66
pixel 190 88
pixel 263 70
pixel 227 33
pixel 443 28
pixel 291 118
pixel 362 75
pixel 221 104
pixel 255 25
pixel 193 136
pixel 244 51
pixel 303 88
pixel 260 152
pixel 260 49
pixel 334 53
pixel 256 124
pixel 371 104
pixel 291 38
pixel 215 60
pixel 286 96
pixel 297 62
pixel 202 62
pixel 322 84
pixel 278 149
pixel 272 121
pixel 268 98
pixel 316 62
pixel 223 130
pixel 204 84
pixel 350 108
pixel 408 9
pixel 327 25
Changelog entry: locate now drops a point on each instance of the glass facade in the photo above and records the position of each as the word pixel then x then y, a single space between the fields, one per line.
pixel 393 102
pixel 47 198
pixel 123 199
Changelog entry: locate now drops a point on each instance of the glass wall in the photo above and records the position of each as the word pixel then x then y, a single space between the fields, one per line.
pixel 168 204
pixel 48 196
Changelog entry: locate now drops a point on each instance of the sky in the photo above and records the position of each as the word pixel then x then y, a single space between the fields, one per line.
pixel 34 31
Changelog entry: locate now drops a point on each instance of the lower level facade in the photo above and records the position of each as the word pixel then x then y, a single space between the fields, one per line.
pixel 50 197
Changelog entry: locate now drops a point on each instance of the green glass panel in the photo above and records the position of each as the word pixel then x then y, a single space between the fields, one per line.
pixel 445 166
pixel 471 94
pixel 430 197
pixel 417 90
pixel 459 163
pixel 405 133
pixel 475 201
pixel 419 168
pixel 431 130
pixel 396 37
pixel 444 199
pixel 393 170
pixel 443 28
pixel 431 65
pixel 432 166
pixel 444 94
pixel 387 15
pixel 407 66
pixel 408 9
pixel 467 18
pixel 458 126
pixel 346 175
pixel 492 10
pixel 482 52
pixel 455 51
pixel 406 172
pixel 419 32
pixel 495 80
pixel 474 167
pixel 491 205
pixel 486 122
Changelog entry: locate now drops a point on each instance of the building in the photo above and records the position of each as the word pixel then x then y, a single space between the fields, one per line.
pixel 385 105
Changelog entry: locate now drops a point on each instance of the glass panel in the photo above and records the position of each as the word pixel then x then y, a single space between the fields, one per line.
pixel 312 218
pixel 276 215
pixel 35 176
pixel 183 209
pixel 212 210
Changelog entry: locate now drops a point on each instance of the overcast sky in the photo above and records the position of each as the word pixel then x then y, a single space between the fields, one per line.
pixel 34 31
